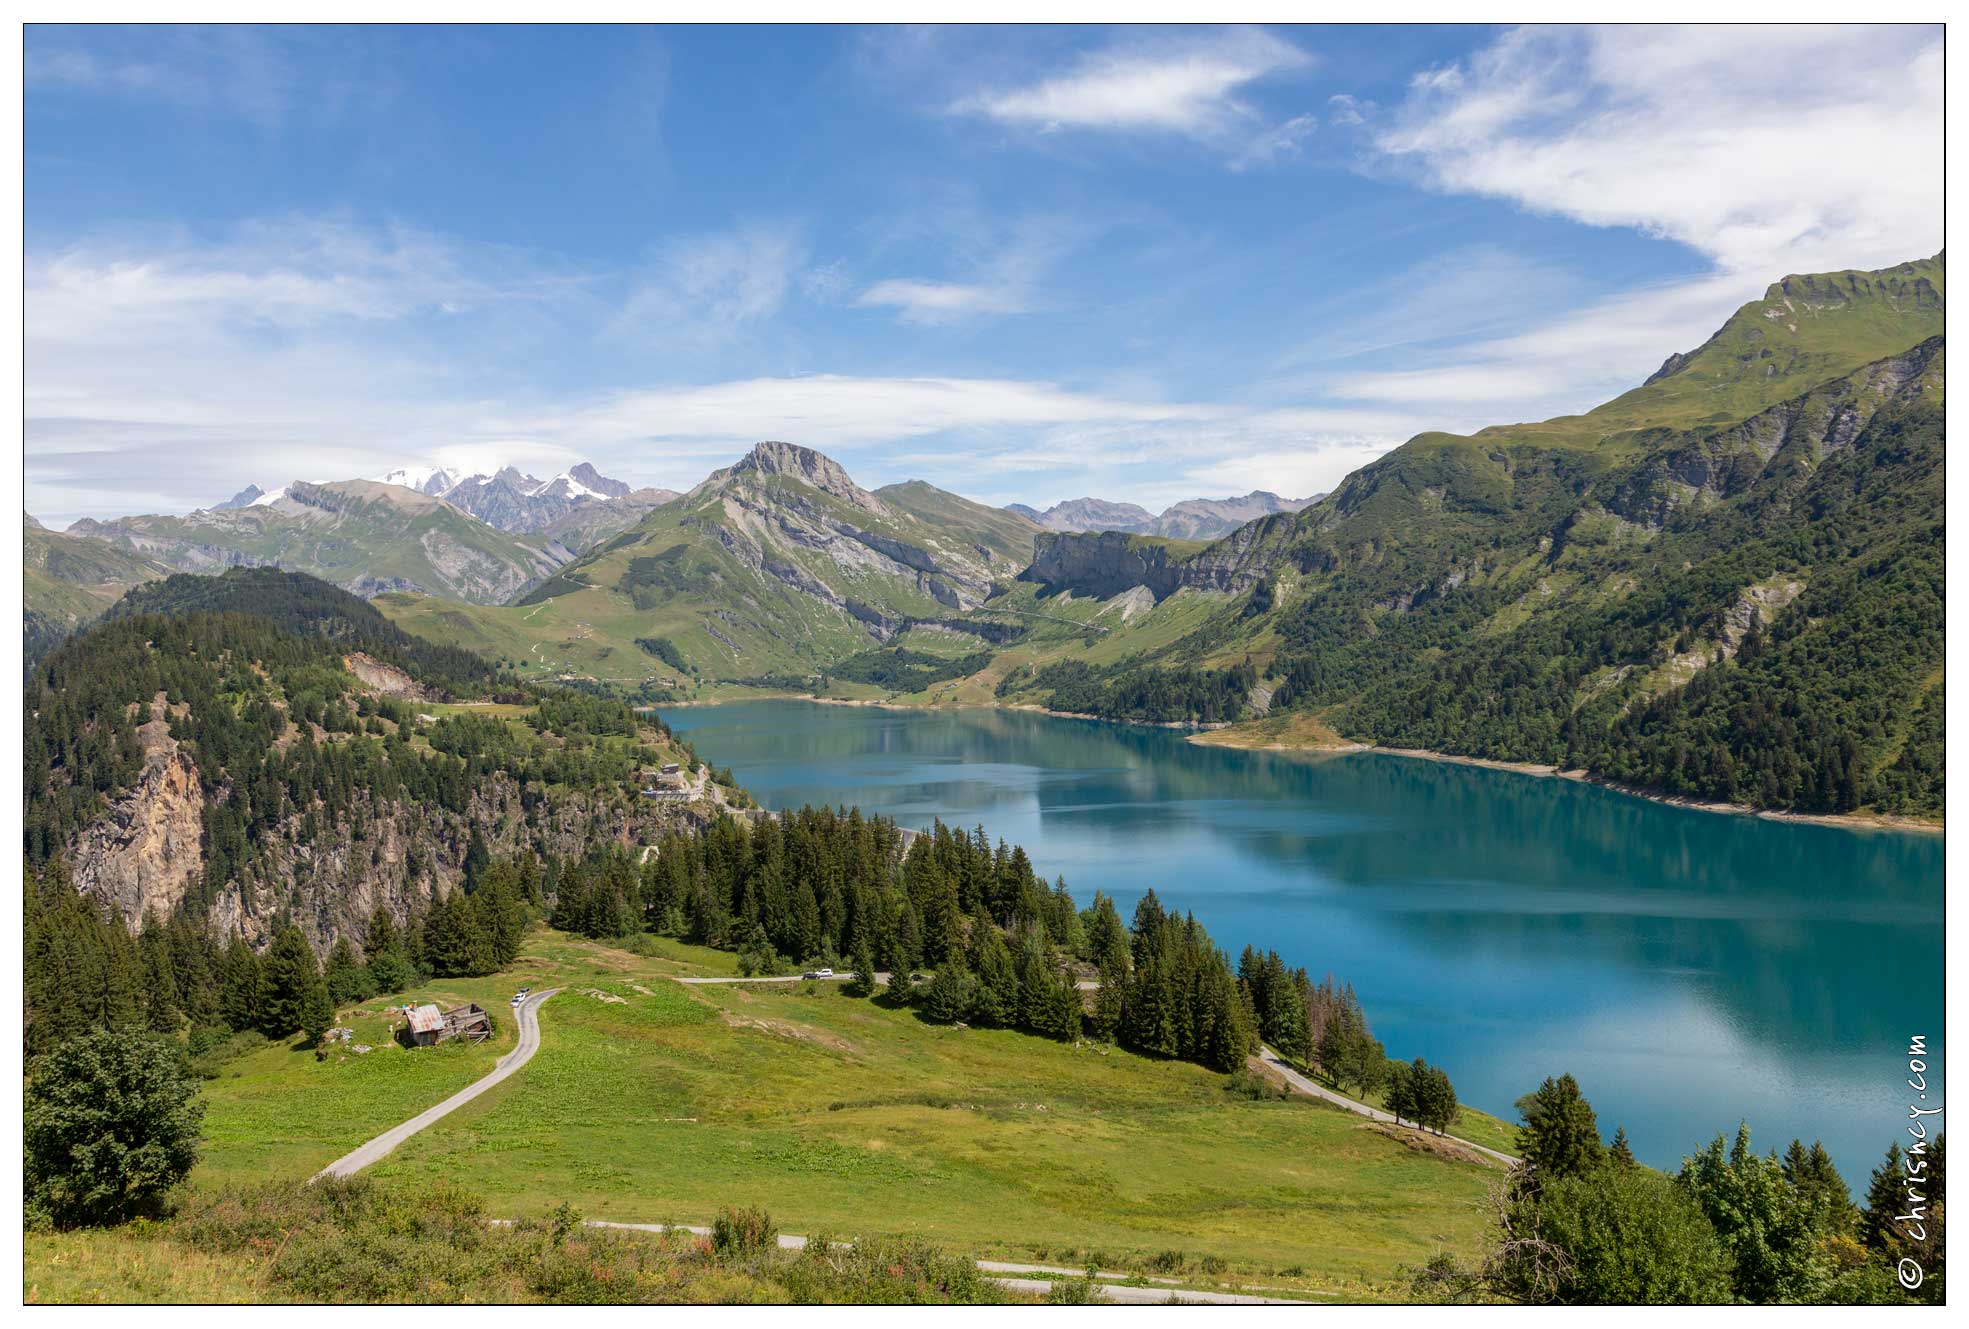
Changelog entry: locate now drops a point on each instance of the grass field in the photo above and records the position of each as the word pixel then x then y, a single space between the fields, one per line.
pixel 651 1101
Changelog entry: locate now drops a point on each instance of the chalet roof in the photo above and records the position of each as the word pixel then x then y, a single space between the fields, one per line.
pixel 425 1020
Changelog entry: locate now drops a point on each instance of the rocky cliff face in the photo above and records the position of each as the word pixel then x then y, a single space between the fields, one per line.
pixel 145 855
pixel 148 849
pixel 1106 563
pixel 1707 467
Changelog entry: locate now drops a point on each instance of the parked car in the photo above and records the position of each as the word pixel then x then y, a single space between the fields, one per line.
pixel 818 973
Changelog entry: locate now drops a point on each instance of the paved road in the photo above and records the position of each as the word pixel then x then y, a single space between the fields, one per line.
pixel 1270 1061
pixel 529 1043
pixel 999 1270
pixel 880 977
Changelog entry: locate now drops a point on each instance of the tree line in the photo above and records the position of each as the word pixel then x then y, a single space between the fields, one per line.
pixel 84 969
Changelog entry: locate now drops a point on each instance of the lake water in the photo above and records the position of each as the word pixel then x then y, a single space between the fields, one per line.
pixel 1691 969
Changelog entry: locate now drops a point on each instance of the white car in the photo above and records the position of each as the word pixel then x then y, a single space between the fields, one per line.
pixel 818 973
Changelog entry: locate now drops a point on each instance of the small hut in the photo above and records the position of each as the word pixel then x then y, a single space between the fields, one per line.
pixel 427 1026
pixel 423 1027
pixel 469 1022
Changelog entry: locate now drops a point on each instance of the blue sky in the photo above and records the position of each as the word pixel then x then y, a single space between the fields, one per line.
pixel 1024 264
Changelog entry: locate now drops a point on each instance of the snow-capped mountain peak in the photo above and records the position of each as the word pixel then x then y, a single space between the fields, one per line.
pixel 267 500
pixel 432 480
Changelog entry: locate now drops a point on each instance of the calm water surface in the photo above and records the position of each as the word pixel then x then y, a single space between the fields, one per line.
pixel 1690 969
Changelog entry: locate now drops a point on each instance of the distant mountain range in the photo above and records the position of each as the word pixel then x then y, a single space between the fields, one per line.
pixel 1192 519
pixel 362 535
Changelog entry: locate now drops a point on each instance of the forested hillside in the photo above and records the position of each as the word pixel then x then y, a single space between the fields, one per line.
pixel 260 747
pixel 1726 584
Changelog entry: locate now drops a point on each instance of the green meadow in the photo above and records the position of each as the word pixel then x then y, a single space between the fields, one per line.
pixel 652 1101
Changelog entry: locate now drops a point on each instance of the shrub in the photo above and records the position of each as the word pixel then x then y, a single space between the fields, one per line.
pixel 1074 1292
pixel 740 1232
pixel 1246 1083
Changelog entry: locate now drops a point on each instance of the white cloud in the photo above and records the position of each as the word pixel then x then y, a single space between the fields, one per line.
pixel 1567 364
pixel 165 377
pixel 1187 87
pixel 1768 149
pixel 935 302
pixel 1004 265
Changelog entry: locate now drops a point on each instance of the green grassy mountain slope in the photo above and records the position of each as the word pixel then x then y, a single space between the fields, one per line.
pixel 1725 584
pixel 68 580
pixel 364 536
pixel 773 567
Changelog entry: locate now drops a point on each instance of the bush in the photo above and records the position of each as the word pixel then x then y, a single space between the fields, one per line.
pixel 1634 1238
pixel 110 1125
pixel 1074 1292
pixel 1247 1083
pixel 741 1232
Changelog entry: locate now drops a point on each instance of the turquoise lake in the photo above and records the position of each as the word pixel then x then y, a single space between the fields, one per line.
pixel 1691 969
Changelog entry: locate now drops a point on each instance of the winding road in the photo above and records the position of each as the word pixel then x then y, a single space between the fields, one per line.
pixel 1005 1274
pixel 529 1043
pixel 1270 1061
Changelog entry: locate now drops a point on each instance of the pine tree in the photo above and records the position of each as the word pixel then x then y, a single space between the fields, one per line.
pixel 1620 1152
pixel 1108 998
pixel 863 983
pixel 293 994
pixel 947 997
pixel 239 987
pixel 160 983
pixel 1559 1135
pixel 349 981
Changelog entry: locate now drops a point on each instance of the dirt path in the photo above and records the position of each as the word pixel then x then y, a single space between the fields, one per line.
pixel 529 1043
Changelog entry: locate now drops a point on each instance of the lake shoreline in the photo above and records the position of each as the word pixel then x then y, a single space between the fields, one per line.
pixel 1215 735
pixel 1851 821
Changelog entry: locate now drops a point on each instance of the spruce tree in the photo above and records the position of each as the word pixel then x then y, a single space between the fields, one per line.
pixel 160 983
pixel 947 997
pixel 1558 1135
pixel 1884 1198
pixel 1108 998
pixel 349 980
pixel 1620 1152
pixel 863 983
pixel 293 994
pixel 239 987
pixel 381 935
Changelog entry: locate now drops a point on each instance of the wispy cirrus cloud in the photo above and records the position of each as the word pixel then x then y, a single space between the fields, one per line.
pixel 268 76
pixel 707 288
